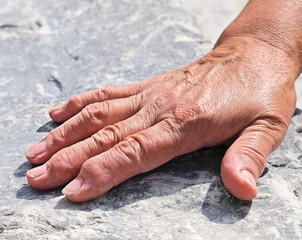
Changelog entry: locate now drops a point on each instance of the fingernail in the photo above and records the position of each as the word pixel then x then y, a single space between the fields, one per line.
pixel 37 172
pixel 53 109
pixel 36 149
pixel 73 187
pixel 246 175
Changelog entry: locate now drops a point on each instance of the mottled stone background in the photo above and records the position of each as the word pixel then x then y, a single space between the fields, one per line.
pixel 51 50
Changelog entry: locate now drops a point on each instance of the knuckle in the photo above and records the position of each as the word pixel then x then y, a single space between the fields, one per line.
pixel 107 137
pixel 138 87
pixel 172 125
pixel 95 113
pixel 274 128
pixel 164 99
pixel 88 167
pixel 157 103
pixel 132 149
pixel 100 172
pixel 66 159
pixel 183 115
pixel 187 72
pixel 101 141
pixel 257 157
pixel 188 112
pixel 115 131
pixel 139 100
pixel 57 136
pixel 275 123
pixel 104 93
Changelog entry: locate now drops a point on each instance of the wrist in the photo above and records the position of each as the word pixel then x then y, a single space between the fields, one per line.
pixel 276 23
pixel 251 59
pixel 273 53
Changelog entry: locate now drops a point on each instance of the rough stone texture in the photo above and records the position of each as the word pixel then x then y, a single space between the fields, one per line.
pixel 51 50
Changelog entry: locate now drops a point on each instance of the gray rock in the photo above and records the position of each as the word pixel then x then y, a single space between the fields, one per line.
pixel 51 50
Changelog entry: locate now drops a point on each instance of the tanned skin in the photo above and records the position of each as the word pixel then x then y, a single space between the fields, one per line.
pixel 241 92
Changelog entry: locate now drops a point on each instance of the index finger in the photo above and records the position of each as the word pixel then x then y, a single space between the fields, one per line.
pixel 78 102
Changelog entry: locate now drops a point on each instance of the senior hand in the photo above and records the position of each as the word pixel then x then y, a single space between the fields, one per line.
pixel 243 90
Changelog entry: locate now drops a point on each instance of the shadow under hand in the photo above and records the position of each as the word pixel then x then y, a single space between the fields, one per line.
pixel 221 207
pixel 22 169
pixel 47 127
pixel 297 112
pixel 197 168
pixel 29 193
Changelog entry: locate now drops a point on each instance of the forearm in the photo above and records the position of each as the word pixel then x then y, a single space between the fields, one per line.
pixel 276 22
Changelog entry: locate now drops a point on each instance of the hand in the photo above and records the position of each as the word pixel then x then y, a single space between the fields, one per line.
pixel 242 91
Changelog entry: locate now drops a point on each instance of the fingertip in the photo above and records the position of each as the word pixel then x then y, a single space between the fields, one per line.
pixel 75 198
pixel 88 185
pixel 35 153
pixel 56 113
pixel 37 172
pixel 36 177
pixel 33 160
pixel 55 109
pixel 249 178
pixel 73 187
pixel 240 183
pixel 77 191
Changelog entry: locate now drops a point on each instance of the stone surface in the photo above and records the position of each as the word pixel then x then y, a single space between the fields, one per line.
pixel 51 50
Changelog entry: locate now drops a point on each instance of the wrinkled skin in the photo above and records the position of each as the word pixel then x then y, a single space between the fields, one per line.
pixel 241 94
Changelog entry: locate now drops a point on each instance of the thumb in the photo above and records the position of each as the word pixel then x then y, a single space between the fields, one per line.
pixel 245 160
